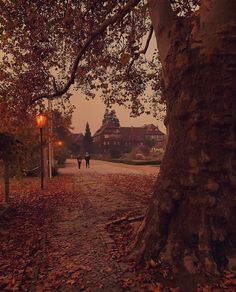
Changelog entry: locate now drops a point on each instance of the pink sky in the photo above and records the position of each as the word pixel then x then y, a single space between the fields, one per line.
pixel 93 111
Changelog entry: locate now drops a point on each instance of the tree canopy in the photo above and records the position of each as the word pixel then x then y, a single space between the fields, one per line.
pixel 51 46
pixel 110 116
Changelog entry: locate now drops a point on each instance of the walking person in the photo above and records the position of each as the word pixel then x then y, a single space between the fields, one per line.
pixel 87 159
pixel 79 160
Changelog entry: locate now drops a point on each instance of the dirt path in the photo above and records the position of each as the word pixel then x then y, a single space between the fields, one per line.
pixel 57 240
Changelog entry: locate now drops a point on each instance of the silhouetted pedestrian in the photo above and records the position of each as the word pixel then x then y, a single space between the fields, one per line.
pixel 87 159
pixel 79 160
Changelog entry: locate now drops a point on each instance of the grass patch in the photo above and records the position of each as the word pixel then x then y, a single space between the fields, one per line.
pixel 133 162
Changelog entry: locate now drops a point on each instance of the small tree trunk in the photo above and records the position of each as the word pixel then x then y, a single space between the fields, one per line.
pixel 192 218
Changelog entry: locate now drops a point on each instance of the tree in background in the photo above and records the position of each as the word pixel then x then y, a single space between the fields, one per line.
pixel 62 132
pixel 113 118
pixel 110 116
pixel 88 140
pixel 61 126
pixel 75 147
pixel 105 117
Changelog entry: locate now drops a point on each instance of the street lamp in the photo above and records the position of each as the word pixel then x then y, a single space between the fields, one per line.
pixel 41 120
pixel 59 143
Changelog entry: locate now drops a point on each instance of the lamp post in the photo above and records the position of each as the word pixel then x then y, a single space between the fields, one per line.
pixel 41 120
pixel 50 146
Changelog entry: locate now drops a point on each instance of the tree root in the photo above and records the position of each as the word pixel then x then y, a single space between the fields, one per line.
pixel 126 219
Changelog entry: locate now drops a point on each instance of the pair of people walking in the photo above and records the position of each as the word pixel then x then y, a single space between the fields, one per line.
pixel 87 160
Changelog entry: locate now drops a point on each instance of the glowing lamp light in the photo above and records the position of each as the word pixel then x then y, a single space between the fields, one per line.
pixel 41 120
pixel 58 143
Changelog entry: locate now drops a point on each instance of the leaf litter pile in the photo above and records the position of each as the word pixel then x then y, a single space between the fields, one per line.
pixel 39 249
pixel 25 230
pixel 34 254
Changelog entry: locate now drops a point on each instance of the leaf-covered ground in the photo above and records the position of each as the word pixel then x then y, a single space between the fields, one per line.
pixel 56 240
pixel 63 238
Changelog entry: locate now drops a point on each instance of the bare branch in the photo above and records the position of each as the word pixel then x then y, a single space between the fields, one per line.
pixel 148 41
pixel 137 54
pixel 54 84
pixel 162 17
pixel 120 14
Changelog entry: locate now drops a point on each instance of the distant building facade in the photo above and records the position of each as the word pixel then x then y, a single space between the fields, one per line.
pixel 111 136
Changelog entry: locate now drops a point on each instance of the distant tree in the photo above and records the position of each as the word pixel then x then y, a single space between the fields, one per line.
pixel 105 117
pixel 110 117
pixel 61 126
pixel 114 119
pixel 62 133
pixel 88 140
pixel 75 148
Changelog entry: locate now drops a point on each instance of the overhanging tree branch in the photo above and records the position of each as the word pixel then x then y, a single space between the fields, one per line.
pixel 120 14
pixel 137 54
pixel 54 84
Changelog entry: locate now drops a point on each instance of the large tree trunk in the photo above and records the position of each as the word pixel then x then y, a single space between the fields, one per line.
pixel 6 178
pixel 192 218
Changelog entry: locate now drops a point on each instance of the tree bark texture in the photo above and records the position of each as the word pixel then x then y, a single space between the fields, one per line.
pixel 7 181
pixel 192 217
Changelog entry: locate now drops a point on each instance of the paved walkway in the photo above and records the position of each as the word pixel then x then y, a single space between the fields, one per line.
pixel 101 197
pixel 104 167
pixel 56 240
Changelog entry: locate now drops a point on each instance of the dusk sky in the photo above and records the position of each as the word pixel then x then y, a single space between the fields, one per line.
pixel 93 111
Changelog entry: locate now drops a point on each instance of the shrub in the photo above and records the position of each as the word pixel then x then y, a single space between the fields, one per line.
pixel 54 171
pixel 139 156
pixel 145 149
pixel 115 153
